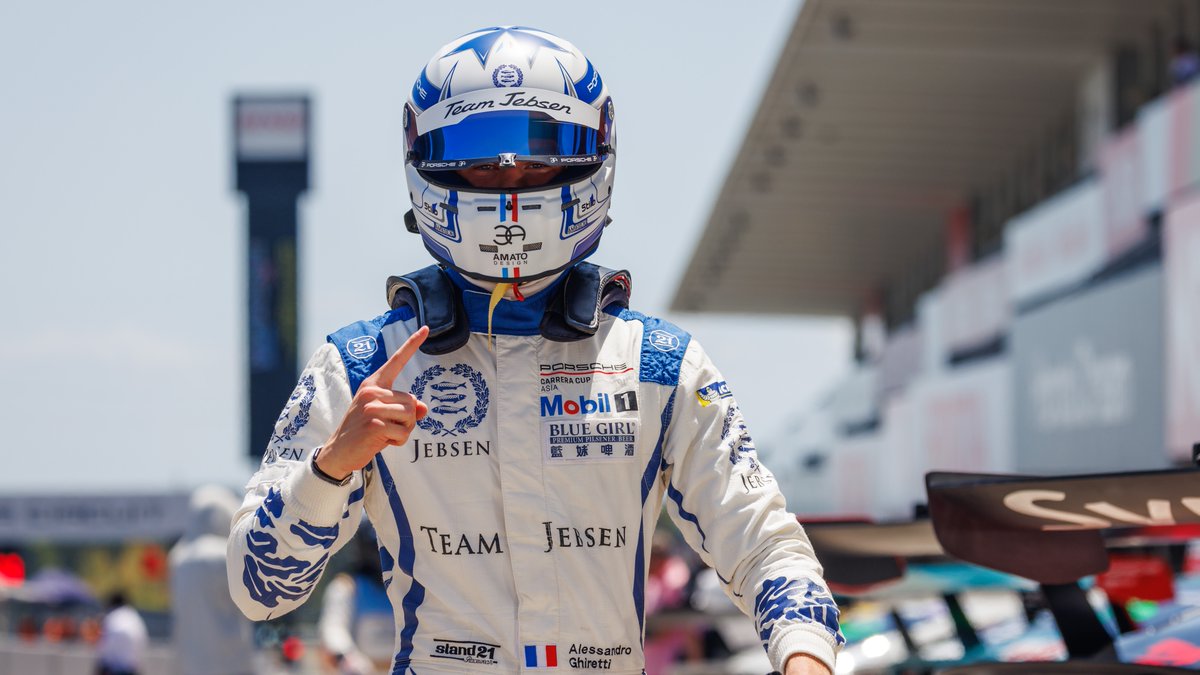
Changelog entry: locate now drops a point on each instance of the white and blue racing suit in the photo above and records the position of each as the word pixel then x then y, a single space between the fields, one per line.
pixel 514 525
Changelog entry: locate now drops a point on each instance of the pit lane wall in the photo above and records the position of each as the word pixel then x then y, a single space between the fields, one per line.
pixel 1075 347
pixel 93 518
pixel 17 658
pixel 106 542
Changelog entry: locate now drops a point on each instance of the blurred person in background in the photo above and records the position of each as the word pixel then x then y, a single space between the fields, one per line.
pixel 668 577
pixel 356 626
pixel 27 629
pixel 510 427
pixel 666 590
pixel 211 636
pixel 123 639
pixel 89 630
pixel 61 628
pixel 1185 62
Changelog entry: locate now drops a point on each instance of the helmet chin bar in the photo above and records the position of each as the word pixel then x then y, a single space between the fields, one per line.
pixel 510 236
pixel 522 279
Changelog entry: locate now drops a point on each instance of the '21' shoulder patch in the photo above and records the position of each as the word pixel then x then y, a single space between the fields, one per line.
pixel 664 341
pixel 362 347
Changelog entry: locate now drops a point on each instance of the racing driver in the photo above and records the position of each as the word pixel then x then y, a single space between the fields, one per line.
pixel 510 426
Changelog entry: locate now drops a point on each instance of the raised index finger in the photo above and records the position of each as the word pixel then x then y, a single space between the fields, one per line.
pixel 390 370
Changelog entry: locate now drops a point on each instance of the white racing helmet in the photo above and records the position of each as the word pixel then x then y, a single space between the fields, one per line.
pixel 503 96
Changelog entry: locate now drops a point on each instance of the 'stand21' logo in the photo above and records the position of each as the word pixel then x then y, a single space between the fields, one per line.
pixel 467 651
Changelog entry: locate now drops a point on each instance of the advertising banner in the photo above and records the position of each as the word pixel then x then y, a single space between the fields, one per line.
pixel 900 485
pixel 901 360
pixel 1057 244
pixel 1121 178
pixel 856 469
pixel 962 418
pixel 271 129
pixel 1154 130
pixel 1181 263
pixel 1170 145
pixel 975 305
pixel 934 355
pixel 94 518
pixel 855 401
pixel 1088 379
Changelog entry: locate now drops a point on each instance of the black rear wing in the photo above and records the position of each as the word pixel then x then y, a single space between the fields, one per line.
pixel 860 556
pixel 1052 530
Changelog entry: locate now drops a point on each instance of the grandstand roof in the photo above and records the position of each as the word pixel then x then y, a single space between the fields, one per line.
pixel 881 117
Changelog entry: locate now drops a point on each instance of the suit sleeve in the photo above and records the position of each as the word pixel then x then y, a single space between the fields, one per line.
pixel 732 513
pixel 291 520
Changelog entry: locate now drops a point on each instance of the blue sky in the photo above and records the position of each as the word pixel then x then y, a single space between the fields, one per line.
pixel 123 257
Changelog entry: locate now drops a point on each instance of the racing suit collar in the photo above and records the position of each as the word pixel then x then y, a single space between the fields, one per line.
pixel 510 317
pixel 526 288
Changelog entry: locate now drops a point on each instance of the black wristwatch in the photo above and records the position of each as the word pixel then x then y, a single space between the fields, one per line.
pixel 324 476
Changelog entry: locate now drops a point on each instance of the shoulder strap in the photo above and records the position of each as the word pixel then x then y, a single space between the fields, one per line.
pixel 435 300
pixel 574 311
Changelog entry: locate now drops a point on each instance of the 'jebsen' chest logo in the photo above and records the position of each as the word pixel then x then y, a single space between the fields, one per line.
pixel 457 398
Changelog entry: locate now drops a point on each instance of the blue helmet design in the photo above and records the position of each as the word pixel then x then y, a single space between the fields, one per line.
pixel 503 96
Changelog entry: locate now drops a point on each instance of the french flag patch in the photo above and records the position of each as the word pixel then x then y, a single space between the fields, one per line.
pixel 541 656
